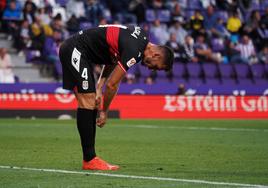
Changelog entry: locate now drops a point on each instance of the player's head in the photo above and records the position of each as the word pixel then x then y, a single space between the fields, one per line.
pixel 158 57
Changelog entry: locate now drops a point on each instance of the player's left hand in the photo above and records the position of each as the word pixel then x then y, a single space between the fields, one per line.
pixel 102 119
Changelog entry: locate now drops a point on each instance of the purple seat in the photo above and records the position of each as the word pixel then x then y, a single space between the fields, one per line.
pixel 226 70
pixel 229 82
pixel 194 4
pixel 266 69
pixel 245 81
pixel 178 70
pixel 162 80
pixel 85 25
pixel 150 15
pixel 163 15
pixel 212 81
pixel 62 2
pixel 195 82
pixel 223 15
pixel 210 70
pixel 261 81
pixel 179 81
pixel 133 70
pixel 257 70
pixel 242 70
pixel 144 71
pixel 162 74
pixel 217 45
pixel 194 70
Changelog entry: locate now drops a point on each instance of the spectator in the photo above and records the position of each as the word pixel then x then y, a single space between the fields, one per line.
pixel 24 39
pixel 247 51
pixel 137 7
pixel 50 54
pixel 197 24
pixel 179 31
pixel 160 30
pixel 204 53
pixel 172 43
pixel 6 73
pixel 2 8
pixel 94 11
pixel 210 19
pixel 234 23
pixel 120 11
pixel 73 24
pixel 29 11
pixel 11 17
pixel 76 8
pixel 149 80
pixel 263 55
pixel 44 16
pixel 219 30
pixel 177 13
pixel 186 51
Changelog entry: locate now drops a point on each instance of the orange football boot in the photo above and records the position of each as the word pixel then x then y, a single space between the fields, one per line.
pixel 98 164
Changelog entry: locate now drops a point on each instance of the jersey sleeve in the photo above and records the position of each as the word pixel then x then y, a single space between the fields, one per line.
pixel 129 57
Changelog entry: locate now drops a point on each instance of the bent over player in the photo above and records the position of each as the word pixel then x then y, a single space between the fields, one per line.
pixel 118 48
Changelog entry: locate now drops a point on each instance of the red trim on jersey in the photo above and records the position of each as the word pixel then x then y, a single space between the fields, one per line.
pixel 112 35
pixel 121 66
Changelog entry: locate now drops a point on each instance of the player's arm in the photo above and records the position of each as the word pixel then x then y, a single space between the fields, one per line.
pixel 105 73
pixel 111 88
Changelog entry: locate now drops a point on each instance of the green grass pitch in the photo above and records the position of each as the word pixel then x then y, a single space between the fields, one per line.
pixel 232 151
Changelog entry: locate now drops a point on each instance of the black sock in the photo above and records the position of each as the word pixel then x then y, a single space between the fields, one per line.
pixel 86 124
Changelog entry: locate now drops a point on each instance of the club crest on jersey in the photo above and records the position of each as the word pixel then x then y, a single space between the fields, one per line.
pixel 131 62
pixel 136 32
pixel 85 85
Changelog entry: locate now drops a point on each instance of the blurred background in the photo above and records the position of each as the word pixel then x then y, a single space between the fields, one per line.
pixel 220 49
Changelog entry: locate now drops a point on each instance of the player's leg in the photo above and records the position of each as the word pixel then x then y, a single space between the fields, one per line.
pixel 86 123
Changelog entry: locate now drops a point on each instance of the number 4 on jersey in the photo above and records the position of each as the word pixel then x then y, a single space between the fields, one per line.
pixel 85 74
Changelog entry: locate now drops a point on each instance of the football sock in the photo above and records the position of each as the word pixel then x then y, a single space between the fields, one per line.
pixel 86 124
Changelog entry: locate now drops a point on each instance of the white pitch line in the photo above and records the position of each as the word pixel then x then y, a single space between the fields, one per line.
pixel 199 128
pixel 134 177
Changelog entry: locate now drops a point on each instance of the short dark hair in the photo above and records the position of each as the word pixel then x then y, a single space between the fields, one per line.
pixel 168 56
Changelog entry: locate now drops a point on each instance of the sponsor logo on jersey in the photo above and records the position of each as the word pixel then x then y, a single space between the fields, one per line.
pixel 136 32
pixel 76 56
pixel 131 62
pixel 85 85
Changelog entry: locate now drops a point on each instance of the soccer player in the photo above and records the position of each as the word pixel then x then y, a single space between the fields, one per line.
pixel 118 48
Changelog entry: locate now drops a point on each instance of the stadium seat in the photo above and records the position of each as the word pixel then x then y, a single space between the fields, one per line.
pixel 226 70
pixel 261 81
pixel 195 82
pixel 85 25
pixel 144 71
pixel 210 70
pixel 242 70
pixel 194 4
pixel 228 82
pixel 163 15
pixel 245 81
pixel 162 80
pixel 178 70
pixel 150 15
pixel 212 81
pixel 257 70
pixel 223 15
pixel 266 70
pixel 194 70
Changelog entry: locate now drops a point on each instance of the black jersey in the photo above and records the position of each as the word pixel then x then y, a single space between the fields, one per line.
pixel 109 44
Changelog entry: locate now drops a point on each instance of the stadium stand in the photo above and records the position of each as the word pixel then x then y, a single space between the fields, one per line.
pixel 32 31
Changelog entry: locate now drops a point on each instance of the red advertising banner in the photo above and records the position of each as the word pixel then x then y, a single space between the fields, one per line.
pixel 150 106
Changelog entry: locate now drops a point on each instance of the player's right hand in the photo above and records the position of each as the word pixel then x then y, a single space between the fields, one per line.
pixel 102 119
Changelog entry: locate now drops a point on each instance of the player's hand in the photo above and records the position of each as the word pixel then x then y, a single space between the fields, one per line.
pixel 98 99
pixel 102 119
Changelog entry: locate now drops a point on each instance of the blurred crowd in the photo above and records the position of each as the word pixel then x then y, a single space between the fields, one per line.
pixel 199 31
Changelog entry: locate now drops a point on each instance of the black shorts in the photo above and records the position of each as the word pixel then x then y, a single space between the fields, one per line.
pixel 77 69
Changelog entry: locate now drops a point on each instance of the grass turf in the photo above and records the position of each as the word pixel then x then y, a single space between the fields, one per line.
pixel 214 150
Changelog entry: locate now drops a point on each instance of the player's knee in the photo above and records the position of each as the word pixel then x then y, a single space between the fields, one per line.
pixel 86 101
